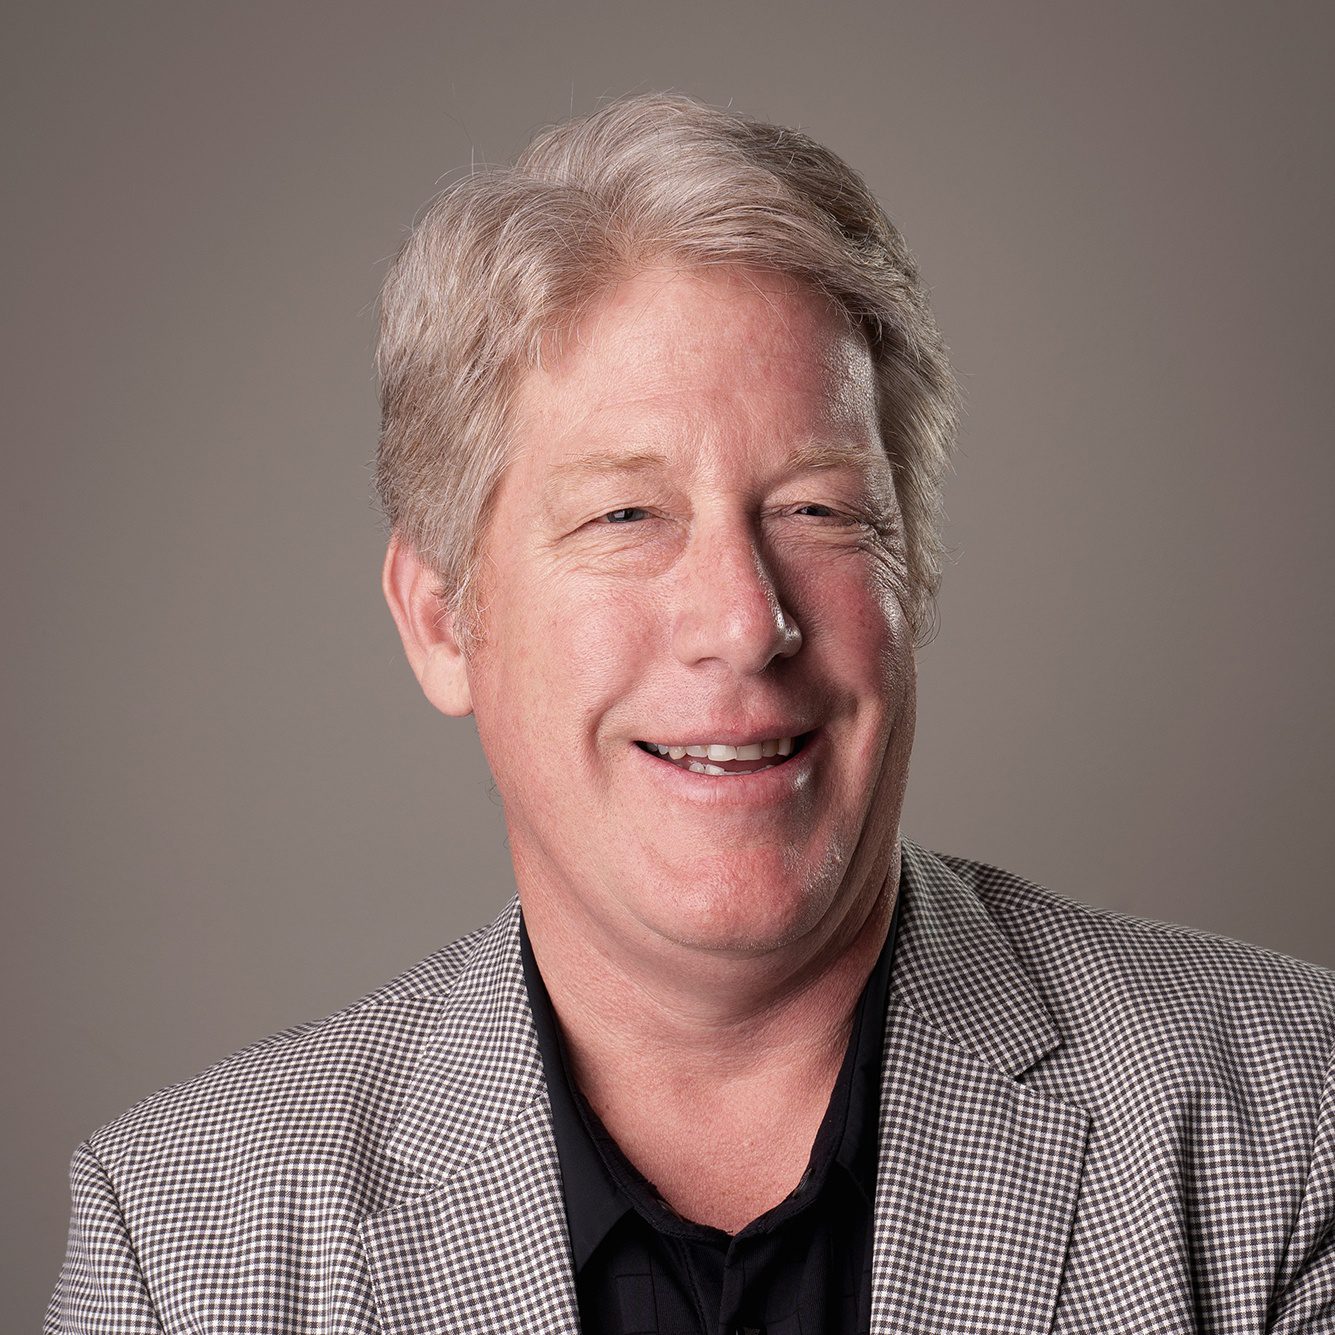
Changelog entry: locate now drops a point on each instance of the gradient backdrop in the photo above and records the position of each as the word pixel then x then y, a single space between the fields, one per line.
pixel 228 807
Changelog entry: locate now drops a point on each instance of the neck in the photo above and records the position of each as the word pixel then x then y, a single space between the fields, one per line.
pixel 711 1075
pixel 704 1021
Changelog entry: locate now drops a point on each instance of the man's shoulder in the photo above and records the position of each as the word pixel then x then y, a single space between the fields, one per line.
pixel 1119 980
pixel 325 1080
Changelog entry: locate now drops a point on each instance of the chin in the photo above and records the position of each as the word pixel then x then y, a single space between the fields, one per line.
pixel 737 910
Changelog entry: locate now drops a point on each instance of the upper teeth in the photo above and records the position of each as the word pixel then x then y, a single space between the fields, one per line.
pixel 776 746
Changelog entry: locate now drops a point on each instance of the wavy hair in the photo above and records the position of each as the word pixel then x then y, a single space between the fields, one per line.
pixel 507 258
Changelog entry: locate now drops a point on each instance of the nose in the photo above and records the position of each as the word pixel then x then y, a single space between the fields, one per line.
pixel 728 607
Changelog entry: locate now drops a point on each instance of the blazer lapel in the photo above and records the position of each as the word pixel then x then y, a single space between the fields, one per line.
pixel 483 1245
pixel 978 1175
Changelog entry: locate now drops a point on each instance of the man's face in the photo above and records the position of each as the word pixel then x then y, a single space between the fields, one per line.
pixel 698 544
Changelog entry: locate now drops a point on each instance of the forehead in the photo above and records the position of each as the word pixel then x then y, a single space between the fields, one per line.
pixel 695 356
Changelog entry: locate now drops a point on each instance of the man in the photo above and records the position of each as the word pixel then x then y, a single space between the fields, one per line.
pixel 665 418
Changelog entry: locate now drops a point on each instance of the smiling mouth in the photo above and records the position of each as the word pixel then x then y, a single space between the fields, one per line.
pixel 721 760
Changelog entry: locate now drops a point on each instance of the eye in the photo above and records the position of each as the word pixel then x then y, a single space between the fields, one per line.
pixel 836 518
pixel 628 515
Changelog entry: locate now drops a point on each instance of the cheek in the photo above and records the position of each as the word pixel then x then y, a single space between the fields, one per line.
pixel 575 653
pixel 854 621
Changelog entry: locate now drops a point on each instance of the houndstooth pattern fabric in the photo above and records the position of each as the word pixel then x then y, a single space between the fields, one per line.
pixel 1090 1123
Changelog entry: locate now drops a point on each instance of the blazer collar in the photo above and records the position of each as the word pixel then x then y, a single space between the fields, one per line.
pixel 482 1070
pixel 483 1245
pixel 978 1174
pixel 976 1170
pixel 955 967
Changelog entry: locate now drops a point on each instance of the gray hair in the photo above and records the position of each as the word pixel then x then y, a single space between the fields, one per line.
pixel 506 258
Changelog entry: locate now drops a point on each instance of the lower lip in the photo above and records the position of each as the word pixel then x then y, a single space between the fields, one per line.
pixel 757 788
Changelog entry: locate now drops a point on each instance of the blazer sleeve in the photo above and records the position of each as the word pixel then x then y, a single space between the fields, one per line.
pixel 1305 1305
pixel 101 1290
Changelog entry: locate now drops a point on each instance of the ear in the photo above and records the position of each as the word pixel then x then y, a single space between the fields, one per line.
pixel 426 629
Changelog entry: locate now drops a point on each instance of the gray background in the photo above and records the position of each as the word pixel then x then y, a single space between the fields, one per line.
pixel 228 807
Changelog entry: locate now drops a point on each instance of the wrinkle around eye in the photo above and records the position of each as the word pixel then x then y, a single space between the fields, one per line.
pixel 831 515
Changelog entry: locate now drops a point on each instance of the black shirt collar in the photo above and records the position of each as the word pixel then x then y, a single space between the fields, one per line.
pixel 601 1185
pixel 594 1203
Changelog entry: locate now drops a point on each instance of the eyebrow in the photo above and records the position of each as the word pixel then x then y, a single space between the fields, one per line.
pixel 815 456
pixel 605 465
pixel 822 455
pixel 587 466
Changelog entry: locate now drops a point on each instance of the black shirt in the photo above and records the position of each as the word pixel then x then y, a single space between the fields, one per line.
pixel 801 1268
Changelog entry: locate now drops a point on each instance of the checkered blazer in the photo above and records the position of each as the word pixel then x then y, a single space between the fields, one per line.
pixel 1090 1123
